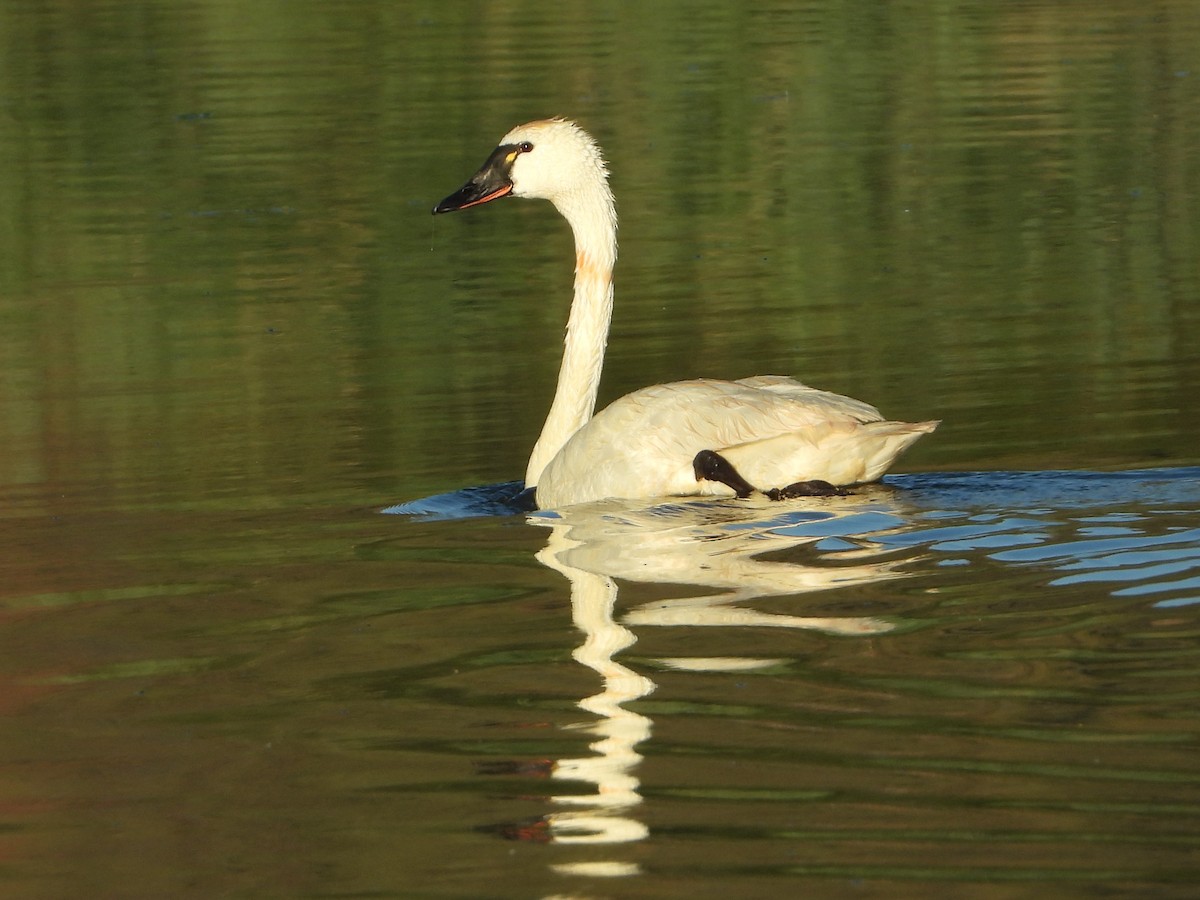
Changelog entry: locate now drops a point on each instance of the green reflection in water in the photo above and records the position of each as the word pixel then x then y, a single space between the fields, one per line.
pixel 223 281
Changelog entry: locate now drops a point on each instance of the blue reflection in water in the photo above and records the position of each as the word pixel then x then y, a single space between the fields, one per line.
pixel 1046 492
pixel 1023 518
pixel 1146 535
pixel 503 499
pixel 938 495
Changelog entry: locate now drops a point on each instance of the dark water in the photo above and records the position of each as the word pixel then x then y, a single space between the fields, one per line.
pixel 231 334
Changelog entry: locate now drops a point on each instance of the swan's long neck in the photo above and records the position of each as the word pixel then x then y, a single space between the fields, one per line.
pixel 593 219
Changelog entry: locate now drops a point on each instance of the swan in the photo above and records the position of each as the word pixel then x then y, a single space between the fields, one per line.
pixel 704 437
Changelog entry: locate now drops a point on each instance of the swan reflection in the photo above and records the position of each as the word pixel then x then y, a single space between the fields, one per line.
pixel 718 547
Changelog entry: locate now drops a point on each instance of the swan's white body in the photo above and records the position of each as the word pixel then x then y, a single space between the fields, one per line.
pixel 774 430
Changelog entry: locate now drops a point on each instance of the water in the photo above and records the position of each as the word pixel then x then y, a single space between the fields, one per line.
pixel 231 334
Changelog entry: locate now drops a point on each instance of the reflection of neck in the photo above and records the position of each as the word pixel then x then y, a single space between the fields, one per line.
pixel 593 598
pixel 593 220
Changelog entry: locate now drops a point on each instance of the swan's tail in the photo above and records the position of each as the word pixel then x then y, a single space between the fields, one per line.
pixel 883 442
pixel 841 453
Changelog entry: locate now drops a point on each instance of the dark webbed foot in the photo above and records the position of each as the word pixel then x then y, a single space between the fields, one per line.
pixel 816 488
pixel 710 466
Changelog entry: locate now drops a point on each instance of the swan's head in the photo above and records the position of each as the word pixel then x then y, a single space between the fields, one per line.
pixel 551 159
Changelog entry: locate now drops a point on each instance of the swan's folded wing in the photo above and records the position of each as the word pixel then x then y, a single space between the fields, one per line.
pixel 837 405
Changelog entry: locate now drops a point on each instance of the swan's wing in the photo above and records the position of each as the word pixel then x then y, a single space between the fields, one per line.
pixel 838 455
pixel 664 422
pixel 709 415
pixel 836 405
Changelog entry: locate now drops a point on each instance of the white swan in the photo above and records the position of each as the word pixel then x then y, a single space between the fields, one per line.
pixel 703 437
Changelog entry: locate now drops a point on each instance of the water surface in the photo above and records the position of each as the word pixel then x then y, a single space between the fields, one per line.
pixel 231 334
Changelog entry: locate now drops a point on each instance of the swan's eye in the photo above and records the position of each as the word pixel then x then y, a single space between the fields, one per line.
pixel 525 146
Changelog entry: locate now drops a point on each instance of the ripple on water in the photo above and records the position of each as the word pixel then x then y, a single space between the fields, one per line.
pixel 966 660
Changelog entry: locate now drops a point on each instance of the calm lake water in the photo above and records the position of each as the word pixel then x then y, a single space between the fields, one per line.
pixel 231 336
